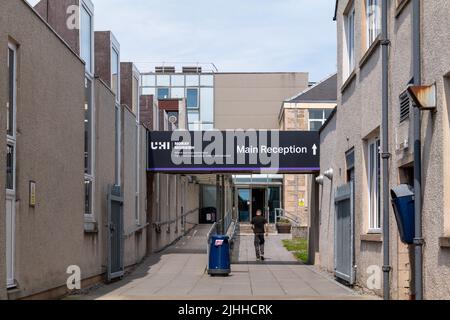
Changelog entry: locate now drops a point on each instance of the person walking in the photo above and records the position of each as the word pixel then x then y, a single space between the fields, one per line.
pixel 260 227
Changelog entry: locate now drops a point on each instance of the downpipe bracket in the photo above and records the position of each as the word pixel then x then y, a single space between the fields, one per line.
pixel 387 269
pixel 386 155
pixel 419 242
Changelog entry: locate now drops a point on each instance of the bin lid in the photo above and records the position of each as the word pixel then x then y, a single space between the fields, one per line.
pixel 403 190
pixel 220 237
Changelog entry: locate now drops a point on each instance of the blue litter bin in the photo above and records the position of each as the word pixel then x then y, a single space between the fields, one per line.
pixel 219 256
pixel 403 203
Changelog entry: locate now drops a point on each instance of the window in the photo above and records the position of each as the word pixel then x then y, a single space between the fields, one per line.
pixel 88 197
pixel 207 80
pixel 207 104
pixel 373 20
pixel 374 182
pixel 349 23
pixel 193 117
pixel 350 164
pixel 317 118
pixel 10 167
pixel 148 81
pixel 163 80
pixel 192 98
pixel 11 103
pixel 115 72
pixel 192 80
pixel 163 93
pixel 86 38
pixel 148 91
pixel 87 127
pixel 11 106
pixel 88 147
pixel 135 101
pixel 177 93
pixel 178 81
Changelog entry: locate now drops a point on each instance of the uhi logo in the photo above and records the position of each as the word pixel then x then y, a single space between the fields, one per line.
pixel 160 145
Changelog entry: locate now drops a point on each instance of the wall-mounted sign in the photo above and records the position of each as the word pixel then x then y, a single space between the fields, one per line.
pixel 234 151
pixel 32 199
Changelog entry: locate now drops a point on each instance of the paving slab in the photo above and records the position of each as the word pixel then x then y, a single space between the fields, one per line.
pixel 179 273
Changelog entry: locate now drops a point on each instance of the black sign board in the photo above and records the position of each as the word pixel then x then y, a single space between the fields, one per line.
pixel 234 151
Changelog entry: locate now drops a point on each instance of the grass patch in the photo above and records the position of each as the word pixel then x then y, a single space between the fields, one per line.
pixel 299 247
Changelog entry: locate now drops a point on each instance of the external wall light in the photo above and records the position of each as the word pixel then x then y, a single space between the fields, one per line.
pixel 319 180
pixel 329 173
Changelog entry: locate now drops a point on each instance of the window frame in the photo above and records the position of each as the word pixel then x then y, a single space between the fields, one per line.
pixel 323 120
pixel 115 47
pixel 90 176
pixel 349 34
pixel 374 185
pixel 89 8
pixel 11 138
pixel 373 21
pixel 197 107
pixel 136 76
pixel 162 88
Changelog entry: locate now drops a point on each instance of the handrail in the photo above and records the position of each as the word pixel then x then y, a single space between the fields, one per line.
pixel 281 213
pixel 159 224
pixel 208 241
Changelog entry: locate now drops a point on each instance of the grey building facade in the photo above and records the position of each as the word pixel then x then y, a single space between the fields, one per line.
pixel 352 143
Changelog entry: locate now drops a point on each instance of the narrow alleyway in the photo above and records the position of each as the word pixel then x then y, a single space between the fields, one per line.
pixel 179 273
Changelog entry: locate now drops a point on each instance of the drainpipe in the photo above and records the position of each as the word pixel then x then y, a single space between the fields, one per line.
pixel 418 240
pixel 385 152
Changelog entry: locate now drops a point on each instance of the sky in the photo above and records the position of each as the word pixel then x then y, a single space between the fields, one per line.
pixel 235 35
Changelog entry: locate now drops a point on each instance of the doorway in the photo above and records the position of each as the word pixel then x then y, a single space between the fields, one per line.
pixel 244 205
pixel 259 201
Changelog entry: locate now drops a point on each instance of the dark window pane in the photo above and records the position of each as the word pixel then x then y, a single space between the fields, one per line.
pixel 328 113
pixel 316 114
pixel 9 167
pixel 10 104
pixel 88 127
pixel 163 93
pixel 315 125
pixel 192 98
pixel 87 197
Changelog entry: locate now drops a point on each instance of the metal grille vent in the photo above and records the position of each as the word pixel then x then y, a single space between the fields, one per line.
pixel 405 106
pixel 192 69
pixel 165 69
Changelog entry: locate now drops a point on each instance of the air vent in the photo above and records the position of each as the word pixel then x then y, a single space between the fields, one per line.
pixel 192 69
pixel 405 106
pixel 165 69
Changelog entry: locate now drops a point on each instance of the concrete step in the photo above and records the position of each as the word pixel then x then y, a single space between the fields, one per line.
pixel 246 228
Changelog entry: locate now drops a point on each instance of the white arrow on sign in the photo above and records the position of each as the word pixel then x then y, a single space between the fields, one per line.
pixel 314 150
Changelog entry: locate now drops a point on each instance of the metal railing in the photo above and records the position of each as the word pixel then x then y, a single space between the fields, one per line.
pixel 180 217
pixel 229 227
pixel 281 213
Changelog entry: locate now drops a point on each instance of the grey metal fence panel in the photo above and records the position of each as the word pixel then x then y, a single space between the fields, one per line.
pixel 115 233
pixel 344 234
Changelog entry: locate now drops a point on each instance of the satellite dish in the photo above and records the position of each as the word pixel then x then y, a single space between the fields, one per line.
pixel 173 119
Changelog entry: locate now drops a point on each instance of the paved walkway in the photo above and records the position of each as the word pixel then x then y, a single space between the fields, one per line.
pixel 179 273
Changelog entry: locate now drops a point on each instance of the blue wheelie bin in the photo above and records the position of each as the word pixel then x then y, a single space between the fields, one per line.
pixel 219 256
pixel 403 203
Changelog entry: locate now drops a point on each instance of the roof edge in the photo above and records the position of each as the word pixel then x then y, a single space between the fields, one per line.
pixel 310 88
pixel 335 10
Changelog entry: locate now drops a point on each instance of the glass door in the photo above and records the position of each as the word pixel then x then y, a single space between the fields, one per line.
pixel 274 202
pixel 244 205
